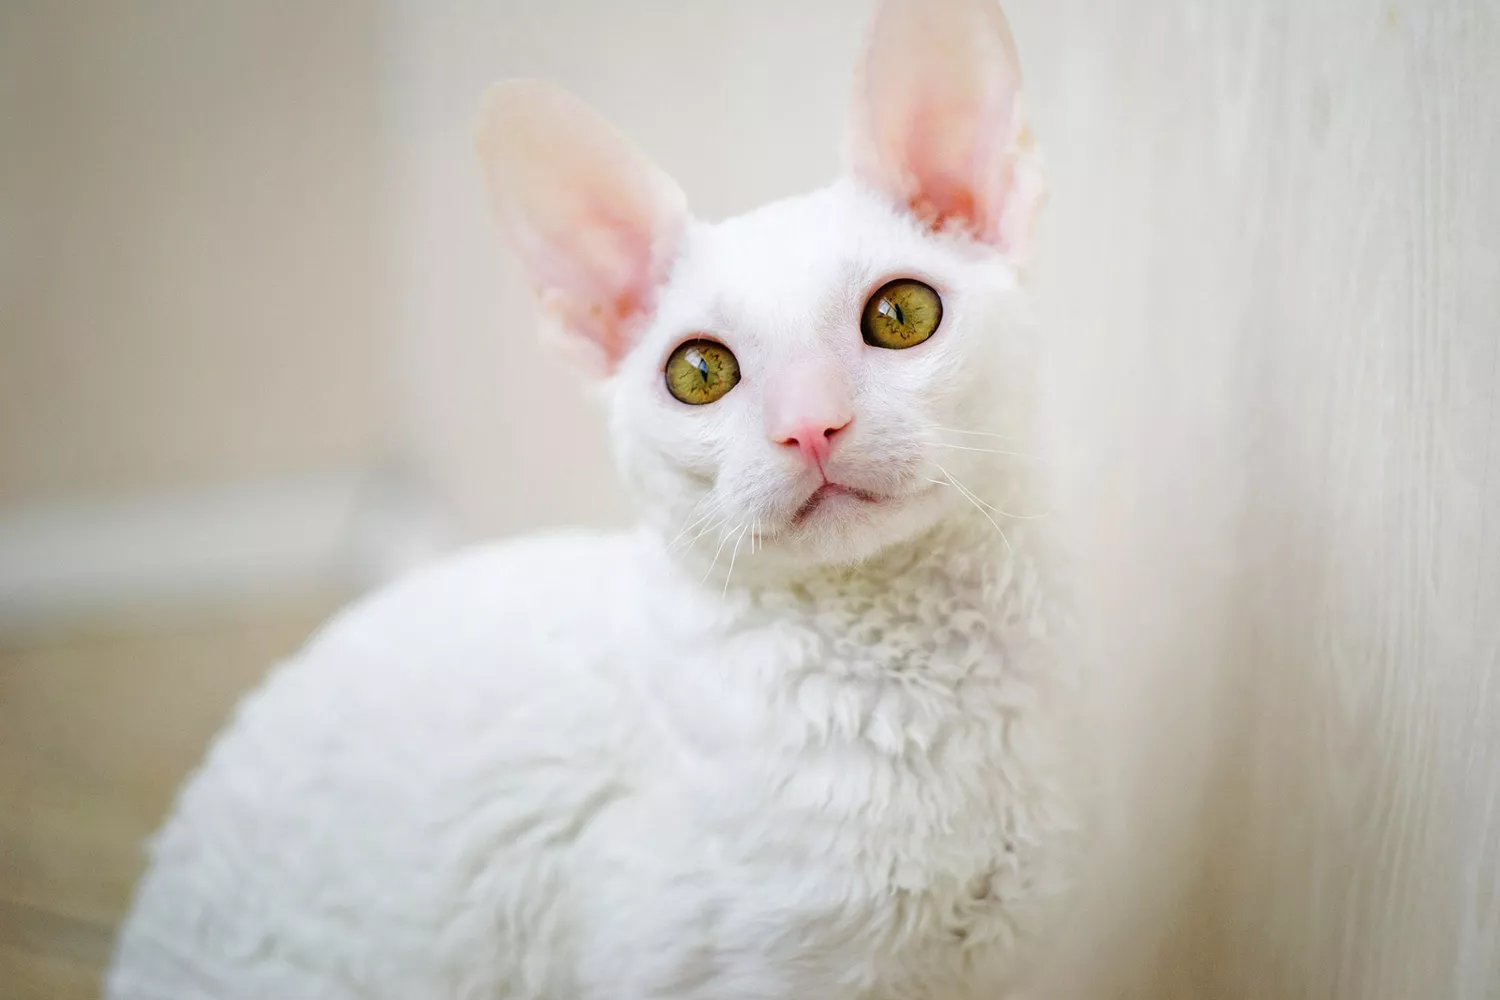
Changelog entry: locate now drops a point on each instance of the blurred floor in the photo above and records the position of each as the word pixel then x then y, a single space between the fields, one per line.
pixel 97 728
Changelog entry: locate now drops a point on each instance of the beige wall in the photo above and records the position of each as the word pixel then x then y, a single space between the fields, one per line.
pixel 188 256
pixel 1274 267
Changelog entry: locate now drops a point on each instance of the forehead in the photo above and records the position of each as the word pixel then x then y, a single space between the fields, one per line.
pixel 774 273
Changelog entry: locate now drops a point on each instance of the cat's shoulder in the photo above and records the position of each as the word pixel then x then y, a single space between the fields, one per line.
pixel 531 623
pixel 553 589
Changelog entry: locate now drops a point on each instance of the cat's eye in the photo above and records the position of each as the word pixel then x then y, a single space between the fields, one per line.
pixel 701 371
pixel 903 313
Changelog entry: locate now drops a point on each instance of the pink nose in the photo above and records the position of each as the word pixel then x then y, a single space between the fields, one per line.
pixel 806 408
pixel 814 440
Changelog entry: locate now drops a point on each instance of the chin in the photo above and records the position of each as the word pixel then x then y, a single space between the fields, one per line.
pixel 848 530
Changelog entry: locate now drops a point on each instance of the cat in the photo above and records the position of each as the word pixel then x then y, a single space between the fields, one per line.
pixel 810 730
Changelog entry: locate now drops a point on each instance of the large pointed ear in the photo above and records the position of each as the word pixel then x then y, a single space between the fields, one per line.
pixel 596 225
pixel 938 125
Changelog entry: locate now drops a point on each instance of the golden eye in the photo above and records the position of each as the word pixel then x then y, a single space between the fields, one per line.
pixel 701 371
pixel 902 314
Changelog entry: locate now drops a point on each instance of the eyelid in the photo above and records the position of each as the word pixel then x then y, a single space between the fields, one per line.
pixel 904 274
pixel 688 338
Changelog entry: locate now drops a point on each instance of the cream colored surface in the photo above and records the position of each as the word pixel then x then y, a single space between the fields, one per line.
pixel 97 728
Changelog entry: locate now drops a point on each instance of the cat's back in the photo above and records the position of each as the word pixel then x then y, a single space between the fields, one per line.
pixel 469 711
pixel 515 631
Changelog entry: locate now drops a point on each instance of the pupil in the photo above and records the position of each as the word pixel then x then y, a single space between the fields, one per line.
pixel 699 362
pixel 889 308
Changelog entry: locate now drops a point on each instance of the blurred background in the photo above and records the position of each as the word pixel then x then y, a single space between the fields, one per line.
pixel 259 351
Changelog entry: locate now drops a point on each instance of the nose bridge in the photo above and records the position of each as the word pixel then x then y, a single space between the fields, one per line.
pixel 810 392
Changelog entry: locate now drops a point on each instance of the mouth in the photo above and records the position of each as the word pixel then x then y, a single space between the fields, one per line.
pixel 831 492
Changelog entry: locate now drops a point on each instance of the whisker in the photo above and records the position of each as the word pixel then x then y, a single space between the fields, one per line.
pixel 987 451
pixel 716 555
pixel 710 527
pixel 998 510
pixel 712 510
pixel 732 556
pixel 975 501
pixel 991 434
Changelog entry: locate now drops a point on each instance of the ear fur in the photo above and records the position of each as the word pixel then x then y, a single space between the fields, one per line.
pixel 596 225
pixel 938 124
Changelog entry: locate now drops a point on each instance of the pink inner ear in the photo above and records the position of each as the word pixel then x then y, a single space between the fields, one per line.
pixel 939 126
pixel 942 193
pixel 596 265
pixel 595 224
pixel 605 330
pixel 597 277
pixel 952 157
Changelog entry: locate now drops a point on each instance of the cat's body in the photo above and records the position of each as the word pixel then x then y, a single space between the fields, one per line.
pixel 561 769
pixel 809 732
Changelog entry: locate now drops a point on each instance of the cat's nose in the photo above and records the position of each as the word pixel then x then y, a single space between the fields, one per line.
pixel 807 406
pixel 814 440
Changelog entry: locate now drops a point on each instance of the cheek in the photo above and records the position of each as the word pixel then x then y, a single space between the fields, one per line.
pixel 955 382
pixel 903 392
pixel 914 410
pixel 749 467
pixel 891 443
pixel 671 452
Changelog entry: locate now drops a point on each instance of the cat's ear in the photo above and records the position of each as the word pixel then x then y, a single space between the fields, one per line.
pixel 596 225
pixel 938 124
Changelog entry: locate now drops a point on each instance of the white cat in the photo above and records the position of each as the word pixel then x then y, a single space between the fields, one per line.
pixel 808 731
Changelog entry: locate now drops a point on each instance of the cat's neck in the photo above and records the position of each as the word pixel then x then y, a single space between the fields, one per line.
pixel 975 556
pixel 937 622
pixel 964 548
pixel 975 541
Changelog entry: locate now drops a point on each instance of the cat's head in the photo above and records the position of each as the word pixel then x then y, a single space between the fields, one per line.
pixel 817 377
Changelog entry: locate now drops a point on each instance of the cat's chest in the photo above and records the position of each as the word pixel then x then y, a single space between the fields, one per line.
pixel 870 723
pixel 878 756
pixel 890 668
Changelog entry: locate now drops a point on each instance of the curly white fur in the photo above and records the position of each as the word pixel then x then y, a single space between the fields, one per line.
pixel 610 766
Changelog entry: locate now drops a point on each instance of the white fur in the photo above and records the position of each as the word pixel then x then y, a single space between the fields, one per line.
pixel 607 766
